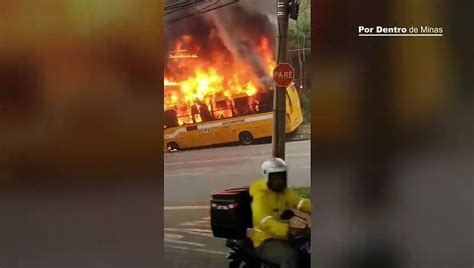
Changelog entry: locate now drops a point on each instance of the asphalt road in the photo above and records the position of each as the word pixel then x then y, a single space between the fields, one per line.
pixel 188 240
pixel 192 176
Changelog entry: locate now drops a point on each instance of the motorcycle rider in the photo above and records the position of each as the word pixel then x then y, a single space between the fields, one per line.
pixel 271 197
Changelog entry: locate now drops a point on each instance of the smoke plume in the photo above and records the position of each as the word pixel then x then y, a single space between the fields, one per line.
pixel 234 31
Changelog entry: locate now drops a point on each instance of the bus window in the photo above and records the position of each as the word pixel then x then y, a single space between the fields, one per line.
pixel 222 114
pixel 255 106
pixel 222 109
pixel 195 114
pixel 184 114
pixel 266 102
pixel 170 118
pixel 203 110
pixel 197 118
pixel 185 120
pixel 241 106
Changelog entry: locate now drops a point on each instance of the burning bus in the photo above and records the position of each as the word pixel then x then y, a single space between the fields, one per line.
pixel 218 86
pixel 241 119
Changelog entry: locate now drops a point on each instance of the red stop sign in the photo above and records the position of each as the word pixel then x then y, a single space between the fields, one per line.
pixel 283 74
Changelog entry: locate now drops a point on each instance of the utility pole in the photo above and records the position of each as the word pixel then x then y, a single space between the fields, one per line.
pixel 279 96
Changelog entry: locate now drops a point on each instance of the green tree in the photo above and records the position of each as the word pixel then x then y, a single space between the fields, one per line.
pixel 299 42
pixel 299 31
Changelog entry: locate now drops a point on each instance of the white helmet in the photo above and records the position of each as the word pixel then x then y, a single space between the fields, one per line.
pixel 274 165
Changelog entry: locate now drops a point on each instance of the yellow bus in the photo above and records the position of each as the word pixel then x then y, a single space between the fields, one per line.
pixel 226 122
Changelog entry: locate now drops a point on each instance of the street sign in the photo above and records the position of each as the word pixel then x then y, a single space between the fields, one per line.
pixel 283 74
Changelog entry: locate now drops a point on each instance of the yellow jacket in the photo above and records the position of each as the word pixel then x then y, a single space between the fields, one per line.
pixel 267 207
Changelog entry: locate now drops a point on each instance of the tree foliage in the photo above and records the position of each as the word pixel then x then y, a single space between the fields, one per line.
pixel 299 32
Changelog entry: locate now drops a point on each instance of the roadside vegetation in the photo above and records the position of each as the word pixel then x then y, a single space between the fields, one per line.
pixel 304 192
pixel 299 44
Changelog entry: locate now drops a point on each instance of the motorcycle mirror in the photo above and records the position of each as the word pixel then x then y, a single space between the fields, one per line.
pixel 287 214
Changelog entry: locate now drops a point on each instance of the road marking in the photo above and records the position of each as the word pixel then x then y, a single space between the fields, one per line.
pixel 195 223
pixel 184 242
pixel 229 159
pixel 186 207
pixel 306 167
pixel 206 233
pixel 173 236
pixel 185 174
pixel 188 230
pixel 198 250
pixel 199 230
pixel 176 247
pixel 171 229
pixel 199 234
pixel 210 251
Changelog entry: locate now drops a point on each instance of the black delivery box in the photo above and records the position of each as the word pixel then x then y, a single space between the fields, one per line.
pixel 231 213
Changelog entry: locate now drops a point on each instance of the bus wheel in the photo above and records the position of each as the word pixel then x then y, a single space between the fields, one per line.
pixel 172 146
pixel 245 138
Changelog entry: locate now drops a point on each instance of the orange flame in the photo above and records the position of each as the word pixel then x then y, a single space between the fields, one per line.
pixel 198 79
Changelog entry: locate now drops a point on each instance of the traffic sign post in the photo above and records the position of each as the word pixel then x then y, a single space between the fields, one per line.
pixel 283 74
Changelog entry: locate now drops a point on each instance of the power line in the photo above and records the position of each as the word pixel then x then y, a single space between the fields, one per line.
pixel 180 7
pixel 199 12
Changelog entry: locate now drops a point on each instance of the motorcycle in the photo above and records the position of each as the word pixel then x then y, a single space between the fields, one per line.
pixel 243 254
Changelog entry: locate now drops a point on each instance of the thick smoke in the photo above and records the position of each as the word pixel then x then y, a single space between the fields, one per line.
pixel 234 30
pixel 241 30
pixel 204 40
pixel 267 7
